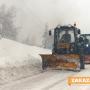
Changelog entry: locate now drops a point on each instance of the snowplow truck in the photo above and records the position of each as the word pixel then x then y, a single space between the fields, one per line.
pixel 67 50
pixel 86 40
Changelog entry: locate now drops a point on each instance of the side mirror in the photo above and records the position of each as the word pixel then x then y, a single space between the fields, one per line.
pixel 79 32
pixel 50 33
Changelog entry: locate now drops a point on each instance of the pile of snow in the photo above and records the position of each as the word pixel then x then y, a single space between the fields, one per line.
pixel 19 60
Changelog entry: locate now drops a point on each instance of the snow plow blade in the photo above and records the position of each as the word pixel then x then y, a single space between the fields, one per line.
pixel 67 61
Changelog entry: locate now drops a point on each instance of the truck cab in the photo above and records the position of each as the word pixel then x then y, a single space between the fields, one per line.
pixel 86 40
pixel 66 39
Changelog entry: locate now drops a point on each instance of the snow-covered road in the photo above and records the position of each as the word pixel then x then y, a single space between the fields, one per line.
pixel 48 80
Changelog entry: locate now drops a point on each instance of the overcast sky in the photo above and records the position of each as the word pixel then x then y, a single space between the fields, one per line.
pixel 32 15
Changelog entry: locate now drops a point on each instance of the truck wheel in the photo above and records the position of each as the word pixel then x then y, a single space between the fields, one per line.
pixel 44 64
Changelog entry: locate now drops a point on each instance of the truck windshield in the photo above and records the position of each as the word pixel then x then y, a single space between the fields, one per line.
pixel 66 36
pixel 87 39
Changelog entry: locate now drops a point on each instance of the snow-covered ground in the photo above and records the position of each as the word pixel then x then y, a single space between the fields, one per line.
pixel 49 80
pixel 18 60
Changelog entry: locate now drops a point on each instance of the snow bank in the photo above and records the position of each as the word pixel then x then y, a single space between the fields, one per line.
pixel 18 60
pixel 15 54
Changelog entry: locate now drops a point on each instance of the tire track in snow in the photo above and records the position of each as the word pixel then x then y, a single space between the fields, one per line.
pixel 32 80
pixel 63 79
pixel 57 82
pixel 40 81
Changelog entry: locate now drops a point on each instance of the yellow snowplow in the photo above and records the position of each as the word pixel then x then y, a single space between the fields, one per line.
pixel 67 52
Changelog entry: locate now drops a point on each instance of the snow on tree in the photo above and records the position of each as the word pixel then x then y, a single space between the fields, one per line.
pixel 45 35
pixel 47 40
pixel 8 29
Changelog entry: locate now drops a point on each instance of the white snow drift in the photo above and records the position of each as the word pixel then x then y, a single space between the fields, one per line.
pixel 18 60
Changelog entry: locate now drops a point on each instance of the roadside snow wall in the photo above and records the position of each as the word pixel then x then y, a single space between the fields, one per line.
pixel 18 60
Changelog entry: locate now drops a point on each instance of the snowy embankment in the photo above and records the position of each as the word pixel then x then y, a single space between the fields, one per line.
pixel 19 60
